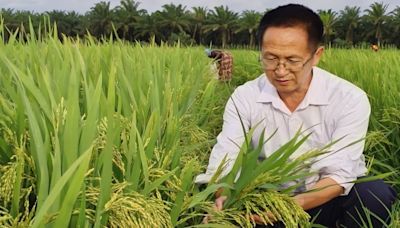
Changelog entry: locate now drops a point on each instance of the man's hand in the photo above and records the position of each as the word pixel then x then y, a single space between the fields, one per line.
pixel 219 202
pixel 325 190
pixel 257 219
pixel 218 205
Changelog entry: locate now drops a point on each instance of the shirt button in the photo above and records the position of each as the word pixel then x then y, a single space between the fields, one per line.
pixel 294 126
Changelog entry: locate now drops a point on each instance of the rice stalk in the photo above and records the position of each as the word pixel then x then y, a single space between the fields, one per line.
pixel 7 181
pixel 131 209
pixel 23 219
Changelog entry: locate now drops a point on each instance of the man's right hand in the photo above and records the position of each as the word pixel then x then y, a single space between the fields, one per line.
pixel 219 202
pixel 218 206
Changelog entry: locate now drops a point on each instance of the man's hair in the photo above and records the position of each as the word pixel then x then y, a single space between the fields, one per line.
pixel 293 15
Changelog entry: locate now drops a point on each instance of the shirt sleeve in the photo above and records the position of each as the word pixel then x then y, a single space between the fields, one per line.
pixel 346 162
pixel 230 138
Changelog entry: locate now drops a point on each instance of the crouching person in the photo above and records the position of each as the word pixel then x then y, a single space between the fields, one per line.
pixel 223 64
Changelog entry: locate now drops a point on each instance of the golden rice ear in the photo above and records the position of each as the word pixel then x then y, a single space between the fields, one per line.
pixel 131 209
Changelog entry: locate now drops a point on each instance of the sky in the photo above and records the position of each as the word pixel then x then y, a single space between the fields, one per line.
pixel 83 6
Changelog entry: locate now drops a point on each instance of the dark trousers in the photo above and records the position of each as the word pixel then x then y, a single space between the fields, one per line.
pixel 375 197
pixel 359 208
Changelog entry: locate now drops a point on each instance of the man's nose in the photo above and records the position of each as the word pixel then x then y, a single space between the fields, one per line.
pixel 281 69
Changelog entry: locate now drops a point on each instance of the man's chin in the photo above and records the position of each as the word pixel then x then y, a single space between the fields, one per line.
pixel 284 89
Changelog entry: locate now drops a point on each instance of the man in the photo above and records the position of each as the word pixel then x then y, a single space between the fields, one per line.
pixel 291 93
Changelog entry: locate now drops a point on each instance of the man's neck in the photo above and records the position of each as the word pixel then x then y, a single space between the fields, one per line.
pixel 292 101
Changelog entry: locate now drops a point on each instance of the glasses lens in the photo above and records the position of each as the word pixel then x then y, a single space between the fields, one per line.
pixel 293 66
pixel 273 64
pixel 270 64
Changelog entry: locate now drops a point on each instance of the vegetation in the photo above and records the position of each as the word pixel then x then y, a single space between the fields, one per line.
pixel 92 135
pixel 201 26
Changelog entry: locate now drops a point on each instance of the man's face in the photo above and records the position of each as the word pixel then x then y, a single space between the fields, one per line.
pixel 287 59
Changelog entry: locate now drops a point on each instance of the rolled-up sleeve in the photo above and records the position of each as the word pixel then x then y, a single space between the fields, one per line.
pixel 231 137
pixel 346 161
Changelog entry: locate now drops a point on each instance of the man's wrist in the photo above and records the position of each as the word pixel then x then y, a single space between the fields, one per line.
pixel 219 192
pixel 299 199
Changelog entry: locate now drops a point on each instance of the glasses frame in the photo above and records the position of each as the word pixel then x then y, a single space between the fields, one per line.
pixel 278 62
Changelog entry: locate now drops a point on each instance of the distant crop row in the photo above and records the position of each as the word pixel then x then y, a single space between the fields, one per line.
pixel 200 25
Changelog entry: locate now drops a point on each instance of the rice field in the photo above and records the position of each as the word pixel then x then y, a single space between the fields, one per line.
pixel 112 134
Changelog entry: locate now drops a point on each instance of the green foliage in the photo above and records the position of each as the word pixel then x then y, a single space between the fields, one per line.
pixel 83 116
pixel 329 20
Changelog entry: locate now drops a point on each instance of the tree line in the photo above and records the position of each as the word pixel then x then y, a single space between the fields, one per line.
pixel 220 26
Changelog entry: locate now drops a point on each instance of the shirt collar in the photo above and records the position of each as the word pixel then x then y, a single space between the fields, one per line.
pixel 316 94
pixel 268 91
pixel 270 95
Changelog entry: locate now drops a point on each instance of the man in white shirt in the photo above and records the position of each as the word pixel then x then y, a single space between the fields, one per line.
pixel 293 92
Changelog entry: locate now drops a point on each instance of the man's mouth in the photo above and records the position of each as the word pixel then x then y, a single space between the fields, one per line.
pixel 281 80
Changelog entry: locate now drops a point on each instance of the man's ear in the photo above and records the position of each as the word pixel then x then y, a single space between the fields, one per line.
pixel 318 55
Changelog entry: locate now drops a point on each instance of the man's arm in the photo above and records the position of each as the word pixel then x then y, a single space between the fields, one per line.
pixel 231 136
pixel 323 191
pixel 338 170
pixel 345 163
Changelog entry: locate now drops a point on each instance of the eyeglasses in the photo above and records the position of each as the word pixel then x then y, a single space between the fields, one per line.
pixel 288 64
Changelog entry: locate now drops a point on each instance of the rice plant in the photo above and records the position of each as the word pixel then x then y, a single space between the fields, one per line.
pixel 81 119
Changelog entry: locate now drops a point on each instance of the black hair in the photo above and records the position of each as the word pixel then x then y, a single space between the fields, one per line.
pixel 292 15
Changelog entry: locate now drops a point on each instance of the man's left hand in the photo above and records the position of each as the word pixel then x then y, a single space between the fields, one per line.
pixel 257 219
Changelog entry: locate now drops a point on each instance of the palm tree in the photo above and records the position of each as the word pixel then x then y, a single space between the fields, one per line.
pixel 149 27
pixel 349 19
pixel 222 20
pixel 58 17
pixel 74 23
pixel 174 19
pixel 68 23
pixel 249 21
pixel 19 21
pixel 8 16
pixel 128 15
pixel 395 19
pixel 329 19
pixel 100 19
pixel 198 19
pixel 394 23
pixel 376 15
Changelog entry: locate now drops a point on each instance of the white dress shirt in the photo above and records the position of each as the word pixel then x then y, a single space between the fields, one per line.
pixel 331 109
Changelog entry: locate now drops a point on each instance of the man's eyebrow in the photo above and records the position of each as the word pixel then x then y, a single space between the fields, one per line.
pixel 269 53
pixel 294 57
pixel 286 57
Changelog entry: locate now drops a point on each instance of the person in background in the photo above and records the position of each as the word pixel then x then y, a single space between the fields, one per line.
pixel 224 63
pixel 292 93
pixel 375 47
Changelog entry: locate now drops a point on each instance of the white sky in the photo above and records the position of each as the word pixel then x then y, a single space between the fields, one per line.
pixel 83 6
